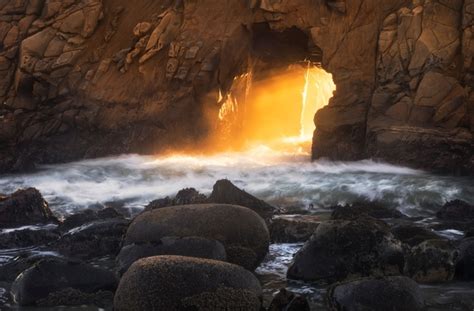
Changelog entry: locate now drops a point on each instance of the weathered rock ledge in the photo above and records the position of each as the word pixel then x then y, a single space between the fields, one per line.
pixel 87 78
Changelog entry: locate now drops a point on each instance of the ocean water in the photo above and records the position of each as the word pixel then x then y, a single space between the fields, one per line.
pixel 285 179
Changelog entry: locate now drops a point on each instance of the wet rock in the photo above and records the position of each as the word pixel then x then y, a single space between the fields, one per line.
pixel 242 232
pixel 87 216
pixel 78 220
pixel 190 247
pixel 25 207
pixel 465 264
pixel 95 239
pixel 413 235
pixel 345 249
pixel 372 209
pixel 10 270
pixel 293 229
pixel 469 233
pixel 394 293
pixel 226 193
pixel 431 261
pixel 49 279
pixel 183 197
pixel 457 210
pixel 27 237
pixel 186 283
pixel 288 301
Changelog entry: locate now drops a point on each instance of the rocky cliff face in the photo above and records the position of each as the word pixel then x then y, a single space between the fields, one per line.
pixel 85 78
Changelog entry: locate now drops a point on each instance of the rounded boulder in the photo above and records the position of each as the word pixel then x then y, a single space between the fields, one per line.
pixel 191 247
pixel 187 283
pixel 341 249
pixel 392 293
pixel 432 261
pixel 74 282
pixel 243 232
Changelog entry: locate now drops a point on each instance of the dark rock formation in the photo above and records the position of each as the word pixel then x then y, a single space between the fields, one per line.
pixel 432 261
pixel 346 249
pixel 88 216
pixel 242 232
pixel 183 197
pixel 395 293
pixel 53 282
pixel 413 235
pixel 465 264
pixel 25 207
pixel 358 209
pixel 89 78
pixel 189 246
pixel 457 210
pixel 293 229
pixel 225 192
pixel 185 283
pixel 288 301
pixel 10 270
pixel 27 237
pixel 95 239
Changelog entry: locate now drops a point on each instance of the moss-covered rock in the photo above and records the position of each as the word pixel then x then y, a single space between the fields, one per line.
pixel 345 249
pixel 185 283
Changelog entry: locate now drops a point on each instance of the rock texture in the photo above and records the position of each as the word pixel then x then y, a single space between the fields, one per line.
pixel 85 78
pixel 190 247
pixel 53 282
pixel 400 293
pixel 341 250
pixel 25 207
pixel 185 283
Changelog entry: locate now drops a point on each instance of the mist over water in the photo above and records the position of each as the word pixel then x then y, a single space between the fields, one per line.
pixel 285 179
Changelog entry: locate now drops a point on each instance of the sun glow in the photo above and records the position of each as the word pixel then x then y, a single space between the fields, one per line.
pixel 277 111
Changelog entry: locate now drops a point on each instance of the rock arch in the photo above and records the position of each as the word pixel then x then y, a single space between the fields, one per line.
pixel 100 82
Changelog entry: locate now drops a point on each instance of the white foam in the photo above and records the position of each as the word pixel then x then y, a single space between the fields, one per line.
pixel 282 178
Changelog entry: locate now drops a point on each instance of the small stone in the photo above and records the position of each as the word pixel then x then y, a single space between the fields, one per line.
pixel 141 29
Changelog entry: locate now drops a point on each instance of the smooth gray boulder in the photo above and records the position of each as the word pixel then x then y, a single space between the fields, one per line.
pixel 243 232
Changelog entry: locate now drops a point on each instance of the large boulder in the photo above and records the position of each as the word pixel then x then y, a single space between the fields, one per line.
pixel 95 239
pixel 432 261
pixel 52 282
pixel 392 293
pixel 25 207
pixel 465 264
pixel 242 232
pixel 189 246
pixel 186 283
pixel 342 249
pixel 226 192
